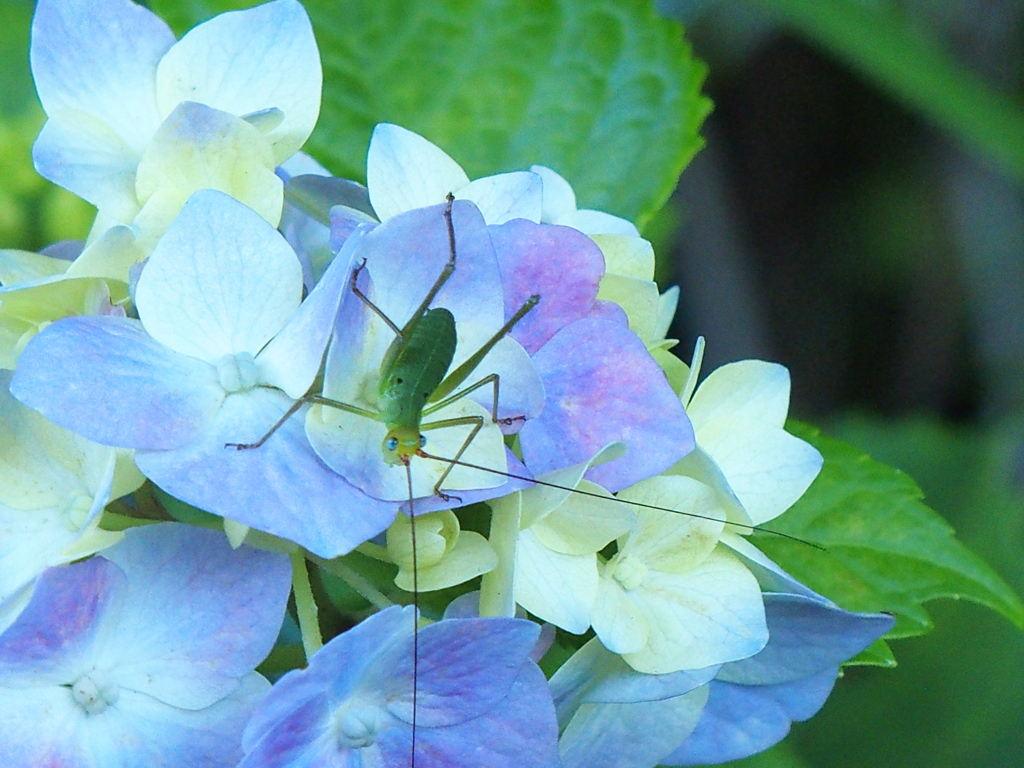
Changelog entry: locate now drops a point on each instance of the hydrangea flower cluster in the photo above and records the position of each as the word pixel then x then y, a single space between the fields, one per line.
pixel 251 335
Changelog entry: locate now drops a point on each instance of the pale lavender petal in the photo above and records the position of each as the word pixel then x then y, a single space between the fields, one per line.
pixel 633 735
pixel 41 727
pixel 306 739
pixel 602 386
pixel 190 652
pixel 248 61
pixel 148 733
pixel 281 487
pixel 741 720
pixel 80 153
pixel 99 57
pixel 293 357
pixel 220 281
pixel 106 379
pixel 559 264
pixel 50 640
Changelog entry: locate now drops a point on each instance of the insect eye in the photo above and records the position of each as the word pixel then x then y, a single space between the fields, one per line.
pixel 391 443
pixel 423 441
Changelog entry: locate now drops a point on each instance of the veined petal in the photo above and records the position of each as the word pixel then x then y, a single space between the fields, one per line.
pixel 748 390
pixel 559 198
pixel 85 156
pixel 245 62
pixel 709 615
pixel 221 281
pixel 198 147
pixel 767 468
pixel 558 264
pixel 555 587
pixel 505 196
pixel 99 57
pixel 405 171
pixel 601 386
pixel 106 379
pixel 191 652
pixel 583 525
pixel 617 619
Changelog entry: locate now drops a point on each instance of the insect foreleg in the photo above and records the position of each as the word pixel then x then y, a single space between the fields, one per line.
pixel 460 421
pixel 316 399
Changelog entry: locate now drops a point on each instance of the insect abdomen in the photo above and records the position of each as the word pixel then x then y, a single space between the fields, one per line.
pixel 416 370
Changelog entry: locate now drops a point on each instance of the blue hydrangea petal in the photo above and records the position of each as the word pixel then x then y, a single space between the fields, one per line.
pixel 518 732
pixel 293 357
pixel 806 637
pixel 602 386
pixel 306 739
pixel 465 667
pixel 52 722
pixel 559 264
pixel 191 652
pixel 741 720
pixel 147 731
pixel 93 62
pixel 109 381
pixel 281 487
pixel 629 735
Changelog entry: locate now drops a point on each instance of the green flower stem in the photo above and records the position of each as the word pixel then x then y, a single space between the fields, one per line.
pixel 356 580
pixel 305 606
pixel 496 595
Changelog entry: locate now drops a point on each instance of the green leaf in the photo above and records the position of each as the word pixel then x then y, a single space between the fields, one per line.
pixel 603 91
pixel 885 549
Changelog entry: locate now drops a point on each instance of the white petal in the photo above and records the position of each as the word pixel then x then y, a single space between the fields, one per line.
pixel 710 615
pixel 99 57
pixel 584 524
pixel 618 621
pixel 559 199
pixel 220 281
pixel 471 557
pixel 627 256
pixel 555 587
pixel 598 223
pixel 748 390
pixel 505 196
pixel 767 468
pixel 84 155
pixel 405 171
pixel 249 61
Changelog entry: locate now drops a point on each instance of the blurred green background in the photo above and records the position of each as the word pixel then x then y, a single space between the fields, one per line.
pixel 857 215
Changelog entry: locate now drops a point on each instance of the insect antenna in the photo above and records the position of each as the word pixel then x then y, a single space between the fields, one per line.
pixel 512 476
pixel 415 611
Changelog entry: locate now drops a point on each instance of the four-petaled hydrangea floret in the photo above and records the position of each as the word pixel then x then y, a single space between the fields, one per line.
pixel 480 700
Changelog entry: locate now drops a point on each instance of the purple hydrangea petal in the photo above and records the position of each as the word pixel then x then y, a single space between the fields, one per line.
pixel 465 667
pixel 106 379
pixel 281 487
pixel 559 264
pixel 518 732
pixel 53 635
pixel 739 720
pixel 602 386
pixel 191 652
